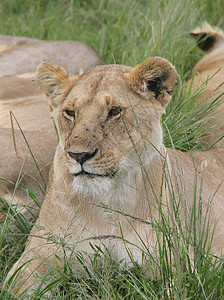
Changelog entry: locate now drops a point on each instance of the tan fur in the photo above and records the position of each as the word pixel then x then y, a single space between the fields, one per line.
pixel 18 166
pixel 207 168
pixel 30 109
pixel 210 72
pixel 117 122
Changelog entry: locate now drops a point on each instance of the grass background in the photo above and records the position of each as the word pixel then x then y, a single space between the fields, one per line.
pixel 126 32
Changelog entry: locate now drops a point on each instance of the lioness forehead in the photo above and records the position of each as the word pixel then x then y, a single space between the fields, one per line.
pixel 106 73
pixel 99 84
pixel 108 68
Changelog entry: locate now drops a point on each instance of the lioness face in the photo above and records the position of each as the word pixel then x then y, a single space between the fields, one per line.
pixel 106 115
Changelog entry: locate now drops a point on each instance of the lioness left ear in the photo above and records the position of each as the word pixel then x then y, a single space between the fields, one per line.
pixel 155 75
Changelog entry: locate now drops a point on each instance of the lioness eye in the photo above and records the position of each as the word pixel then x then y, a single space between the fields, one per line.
pixel 115 111
pixel 70 113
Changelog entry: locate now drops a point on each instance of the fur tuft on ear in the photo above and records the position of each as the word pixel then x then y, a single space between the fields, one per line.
pixel 155 75
pixel 207 37
pixel 54 81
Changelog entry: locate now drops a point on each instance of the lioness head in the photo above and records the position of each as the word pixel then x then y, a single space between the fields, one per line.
pixel 109 116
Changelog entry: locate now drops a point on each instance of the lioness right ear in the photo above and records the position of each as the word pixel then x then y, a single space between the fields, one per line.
pixel 54 81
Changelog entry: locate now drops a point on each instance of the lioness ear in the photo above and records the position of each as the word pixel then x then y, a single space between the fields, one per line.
pixel 54 81
pixel 155 75
pixel 206 36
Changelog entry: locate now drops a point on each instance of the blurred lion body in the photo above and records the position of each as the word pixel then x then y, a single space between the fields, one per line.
pixel 209 71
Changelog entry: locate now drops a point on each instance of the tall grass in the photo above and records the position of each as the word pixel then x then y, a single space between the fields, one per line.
pixel 120 31
pixel 127 32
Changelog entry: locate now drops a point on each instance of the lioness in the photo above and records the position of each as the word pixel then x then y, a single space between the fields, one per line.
pixel 111 169
pixel 209 71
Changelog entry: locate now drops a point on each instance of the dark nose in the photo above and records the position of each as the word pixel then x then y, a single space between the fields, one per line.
pixel 81 157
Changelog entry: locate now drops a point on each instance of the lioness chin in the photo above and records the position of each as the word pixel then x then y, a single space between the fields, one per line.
pixel 110 178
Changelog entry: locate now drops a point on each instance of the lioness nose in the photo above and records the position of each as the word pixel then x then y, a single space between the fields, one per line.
pixel 81 157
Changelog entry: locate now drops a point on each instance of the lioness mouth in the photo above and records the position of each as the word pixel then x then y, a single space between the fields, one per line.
pixel 91 175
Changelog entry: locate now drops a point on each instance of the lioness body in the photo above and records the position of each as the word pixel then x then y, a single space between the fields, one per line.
pixel 209 71
pixel 110 166
pixel 20 55
pixel 23 170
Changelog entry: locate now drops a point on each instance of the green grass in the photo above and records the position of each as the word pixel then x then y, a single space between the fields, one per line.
pixel 127 32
